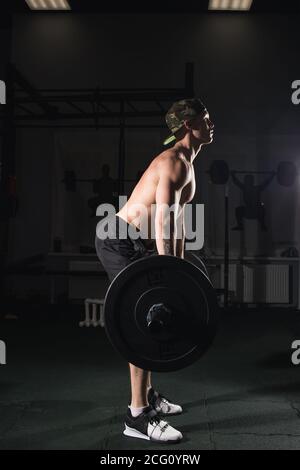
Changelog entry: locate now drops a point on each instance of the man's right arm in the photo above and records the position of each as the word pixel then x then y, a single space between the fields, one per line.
pixel 171 176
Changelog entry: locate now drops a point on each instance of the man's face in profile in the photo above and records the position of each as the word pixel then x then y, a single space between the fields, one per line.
pixel 202 128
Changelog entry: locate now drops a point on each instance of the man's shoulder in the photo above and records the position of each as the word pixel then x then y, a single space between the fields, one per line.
pixel 169 157
pixel 169 163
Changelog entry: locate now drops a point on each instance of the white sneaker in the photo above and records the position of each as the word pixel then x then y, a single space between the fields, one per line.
pixel 162 404
pixel 148 425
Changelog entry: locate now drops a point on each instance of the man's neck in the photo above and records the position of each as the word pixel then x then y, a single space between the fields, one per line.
pixel 188 149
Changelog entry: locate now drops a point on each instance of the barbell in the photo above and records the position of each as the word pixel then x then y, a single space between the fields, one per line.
pixel 219 174
pixel 161 313
pixel 286 172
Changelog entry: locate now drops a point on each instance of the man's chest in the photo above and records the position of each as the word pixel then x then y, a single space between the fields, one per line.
pixel 188 192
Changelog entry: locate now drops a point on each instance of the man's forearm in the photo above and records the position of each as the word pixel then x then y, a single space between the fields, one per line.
pixel 165 237
pixel 165 246
pixel 180 248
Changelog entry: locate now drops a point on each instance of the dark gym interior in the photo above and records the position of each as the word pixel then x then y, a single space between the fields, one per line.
pixel 84 93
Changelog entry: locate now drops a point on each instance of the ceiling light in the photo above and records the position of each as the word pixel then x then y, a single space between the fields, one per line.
pixel 48 4
pixel 230 5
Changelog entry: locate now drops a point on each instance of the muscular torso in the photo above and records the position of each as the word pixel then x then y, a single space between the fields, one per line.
pixel 140 207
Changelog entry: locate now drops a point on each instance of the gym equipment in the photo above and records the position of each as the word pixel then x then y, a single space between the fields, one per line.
pixel 93 319
pixel 286 172
pixel 161 313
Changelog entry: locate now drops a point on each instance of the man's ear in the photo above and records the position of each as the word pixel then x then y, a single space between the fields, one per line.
pixel 187 125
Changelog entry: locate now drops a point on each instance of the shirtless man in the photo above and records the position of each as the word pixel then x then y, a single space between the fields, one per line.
pixel 169 180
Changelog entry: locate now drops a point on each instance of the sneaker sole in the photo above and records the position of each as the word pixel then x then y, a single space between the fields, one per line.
pixel 160 413
pixel 130 432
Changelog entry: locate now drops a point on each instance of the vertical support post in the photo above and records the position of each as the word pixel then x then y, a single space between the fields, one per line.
pixel 8 164
pixel 121 167
pixel 226 248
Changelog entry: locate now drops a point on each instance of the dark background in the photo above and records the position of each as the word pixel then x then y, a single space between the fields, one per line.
pixel 65 387
pixel 244 64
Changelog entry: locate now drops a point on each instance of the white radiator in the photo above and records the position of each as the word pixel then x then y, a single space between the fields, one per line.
pixel 259 283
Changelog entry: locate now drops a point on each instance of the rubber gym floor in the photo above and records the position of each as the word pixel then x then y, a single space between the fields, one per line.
pixel 65 387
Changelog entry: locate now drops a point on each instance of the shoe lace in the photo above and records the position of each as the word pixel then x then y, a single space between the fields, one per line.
pixel 163 398
pixel 156 420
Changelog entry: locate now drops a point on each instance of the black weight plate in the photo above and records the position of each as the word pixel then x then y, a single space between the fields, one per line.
pixel 194 258
pixel 185 289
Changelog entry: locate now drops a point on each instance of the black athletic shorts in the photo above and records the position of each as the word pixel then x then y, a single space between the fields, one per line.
pixel 116 253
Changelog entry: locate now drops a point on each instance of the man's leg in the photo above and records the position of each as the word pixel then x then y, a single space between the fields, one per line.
pixel 139 379
pixel 142 420
pixel 149 381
